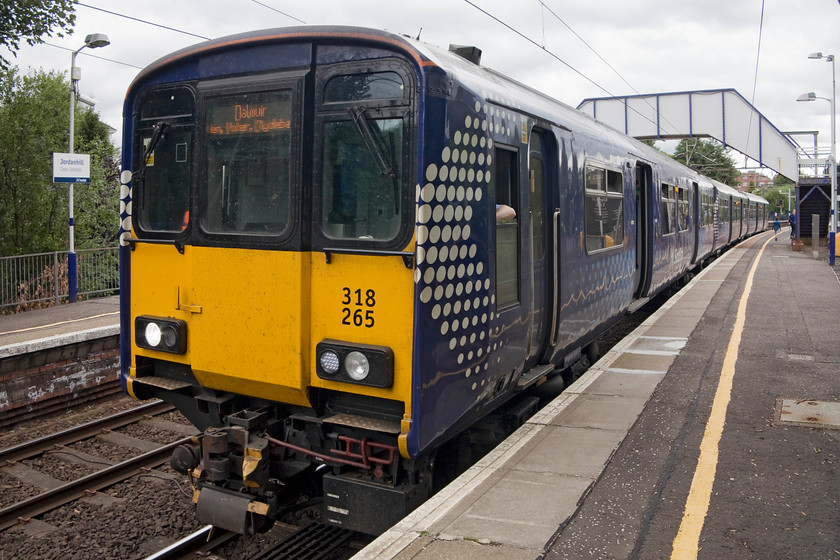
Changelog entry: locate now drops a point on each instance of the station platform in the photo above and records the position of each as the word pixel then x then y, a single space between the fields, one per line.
pixel 59 325
pixel 710 432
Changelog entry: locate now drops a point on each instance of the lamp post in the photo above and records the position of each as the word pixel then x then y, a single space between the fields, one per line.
pixel 92 41
pixel 832 164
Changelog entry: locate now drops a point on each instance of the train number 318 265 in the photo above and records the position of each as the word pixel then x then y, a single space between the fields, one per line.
pixel 358 310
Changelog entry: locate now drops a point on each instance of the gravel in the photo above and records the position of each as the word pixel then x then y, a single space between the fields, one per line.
pixel 129 520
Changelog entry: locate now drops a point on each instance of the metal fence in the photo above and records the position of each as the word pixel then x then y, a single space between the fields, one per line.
pixel 30 281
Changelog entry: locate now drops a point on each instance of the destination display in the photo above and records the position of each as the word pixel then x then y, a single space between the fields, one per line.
pixel 250 114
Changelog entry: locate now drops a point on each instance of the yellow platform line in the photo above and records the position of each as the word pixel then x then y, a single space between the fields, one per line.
pixel 686 543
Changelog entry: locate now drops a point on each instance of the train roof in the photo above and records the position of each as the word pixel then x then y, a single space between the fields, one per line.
pixel 486 82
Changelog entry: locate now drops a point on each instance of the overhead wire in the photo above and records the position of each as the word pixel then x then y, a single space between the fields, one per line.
pixel 536 44
pixel 143 21
pixel 755 78
pixel 556 57
pixel 93 55
pixel 278 11
pixel 161 26
pixel 610 66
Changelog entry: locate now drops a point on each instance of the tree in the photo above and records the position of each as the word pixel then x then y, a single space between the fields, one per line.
pixel 707 157
pixel 777 196
pixel 781 181
pixel 34 119
pixel 31 20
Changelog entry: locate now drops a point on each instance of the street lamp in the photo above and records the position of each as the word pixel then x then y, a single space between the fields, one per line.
pixel 93 41
pixel 833 159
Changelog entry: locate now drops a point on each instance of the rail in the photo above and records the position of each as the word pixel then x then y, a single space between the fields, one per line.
pixel 40 279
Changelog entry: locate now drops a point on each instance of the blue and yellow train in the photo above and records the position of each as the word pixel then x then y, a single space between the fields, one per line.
pixel 314 274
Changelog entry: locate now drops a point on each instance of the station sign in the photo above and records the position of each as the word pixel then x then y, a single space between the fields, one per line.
pixel 71 168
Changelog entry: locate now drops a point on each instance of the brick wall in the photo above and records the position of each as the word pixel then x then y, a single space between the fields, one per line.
pixel 48 380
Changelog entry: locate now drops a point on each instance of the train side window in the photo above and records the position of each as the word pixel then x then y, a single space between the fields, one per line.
pixel 604 209
pixel 682 208
pixel 668 211
pixel 505 186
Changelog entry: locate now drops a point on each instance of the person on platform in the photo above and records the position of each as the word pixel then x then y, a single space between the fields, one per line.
pixel 792 222
pixel 776 227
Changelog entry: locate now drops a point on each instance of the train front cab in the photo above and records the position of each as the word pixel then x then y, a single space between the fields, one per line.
pixel 270 290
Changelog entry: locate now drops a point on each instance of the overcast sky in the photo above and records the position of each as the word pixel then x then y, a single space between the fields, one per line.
pixel 655 45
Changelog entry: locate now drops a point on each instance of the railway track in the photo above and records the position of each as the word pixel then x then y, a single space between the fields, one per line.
pixel 316 541
pixel 58 495
pixel 203 541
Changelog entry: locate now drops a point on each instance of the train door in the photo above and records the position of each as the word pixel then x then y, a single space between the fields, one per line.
pixel 540 169
pixel 641 278
pixel 695 221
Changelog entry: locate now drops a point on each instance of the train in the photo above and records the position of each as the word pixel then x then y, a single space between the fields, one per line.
pixel 314 270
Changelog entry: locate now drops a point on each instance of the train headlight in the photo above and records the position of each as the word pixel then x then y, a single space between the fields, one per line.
pixel 329 362
pixel 152 334
pixel 161 333
pixel 357 366
pixel 363 364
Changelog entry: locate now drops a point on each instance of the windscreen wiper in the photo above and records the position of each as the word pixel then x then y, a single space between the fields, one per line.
pixel 157 134
pixel 370 140
pixel 362 125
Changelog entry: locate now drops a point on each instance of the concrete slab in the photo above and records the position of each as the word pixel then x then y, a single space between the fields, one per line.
pixel 31 476
pixel 683 329
pixel 467 550
pixel 680 318
pixel 644 362
pixel 103 500
pixel 661 344
pixel 74 456
pixel 169 426
pixel 37 528
pixel 624 383
pixel 577 452
pixel 605 412
pixel 536 519
pixel 124 440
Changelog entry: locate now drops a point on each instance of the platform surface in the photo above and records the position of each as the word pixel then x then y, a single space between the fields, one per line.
pixel 607 469
pixel 30 331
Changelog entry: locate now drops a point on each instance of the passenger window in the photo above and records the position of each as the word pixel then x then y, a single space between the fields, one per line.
pixel 505 186
pixel 668 210
pixel 604 220
pixel 682 208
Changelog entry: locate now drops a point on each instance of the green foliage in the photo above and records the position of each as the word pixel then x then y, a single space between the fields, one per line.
pixel 34 123
pixel 778 195
pixel 31 20
pixel 781 181
pixel 707 157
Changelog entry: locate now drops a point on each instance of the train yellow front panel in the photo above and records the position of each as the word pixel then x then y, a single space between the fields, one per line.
pixel 365 300
pixel 252 327
pixel 247 317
